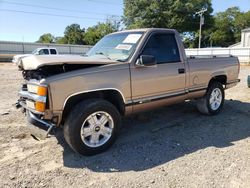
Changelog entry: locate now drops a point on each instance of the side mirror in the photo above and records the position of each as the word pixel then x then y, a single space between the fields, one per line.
pixel 146 60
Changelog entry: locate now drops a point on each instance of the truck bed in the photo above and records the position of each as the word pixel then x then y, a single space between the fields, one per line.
pixel 203 68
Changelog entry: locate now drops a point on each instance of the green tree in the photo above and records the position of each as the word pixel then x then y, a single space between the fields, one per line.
pixel 224 28
pixel 46 38
pixel 95 33
pixel 228 26
pixel 73 34
pixel 166 14
pixel 242 21
pixel 60 40
pixel 190 39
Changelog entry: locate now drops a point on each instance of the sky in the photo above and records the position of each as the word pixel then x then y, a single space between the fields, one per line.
pixel 26 20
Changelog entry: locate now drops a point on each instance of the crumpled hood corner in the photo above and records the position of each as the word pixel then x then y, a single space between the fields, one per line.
pixel 34 62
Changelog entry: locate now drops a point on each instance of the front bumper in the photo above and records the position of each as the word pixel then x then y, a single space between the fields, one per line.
pixel 38 127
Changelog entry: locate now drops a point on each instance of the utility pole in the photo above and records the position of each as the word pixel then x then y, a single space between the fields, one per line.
pixel 200 13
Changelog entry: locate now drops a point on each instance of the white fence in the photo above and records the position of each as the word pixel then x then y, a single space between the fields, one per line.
pixel 242 53
pixel 7 47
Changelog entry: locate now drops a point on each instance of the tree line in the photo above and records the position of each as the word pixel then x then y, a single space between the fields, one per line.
pixel 221 29
pixel 74 34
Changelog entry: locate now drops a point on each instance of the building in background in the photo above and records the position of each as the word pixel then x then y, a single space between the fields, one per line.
pixel 245 39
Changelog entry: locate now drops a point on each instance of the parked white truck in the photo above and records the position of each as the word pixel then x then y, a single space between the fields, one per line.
pixel 39 51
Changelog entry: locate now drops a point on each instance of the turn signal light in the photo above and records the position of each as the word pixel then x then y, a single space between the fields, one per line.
pixel 40 106
pixel 42 91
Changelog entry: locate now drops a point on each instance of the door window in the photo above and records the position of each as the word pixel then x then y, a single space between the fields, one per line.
pixel 52 51
pixel 44 52
pixel 163 47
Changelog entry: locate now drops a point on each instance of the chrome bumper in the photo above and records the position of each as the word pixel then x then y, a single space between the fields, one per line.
pixel 38 127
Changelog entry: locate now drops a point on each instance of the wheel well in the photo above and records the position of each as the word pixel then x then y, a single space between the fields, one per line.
pixel 221 79
pixel 112 96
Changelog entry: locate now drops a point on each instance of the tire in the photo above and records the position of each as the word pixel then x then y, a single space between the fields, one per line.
pixel 212 102
pixel 85 129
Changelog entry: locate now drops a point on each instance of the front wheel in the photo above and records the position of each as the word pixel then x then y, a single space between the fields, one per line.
pixel 212 102
pixel 92 126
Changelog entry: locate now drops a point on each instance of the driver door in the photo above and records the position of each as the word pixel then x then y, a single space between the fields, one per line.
pixel 166 78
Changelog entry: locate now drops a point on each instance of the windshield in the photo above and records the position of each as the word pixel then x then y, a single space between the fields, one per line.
pixel 117 46
pixel 35 51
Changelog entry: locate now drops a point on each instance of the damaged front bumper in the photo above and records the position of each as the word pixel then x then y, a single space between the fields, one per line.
pixel 31 101
pixel 38 127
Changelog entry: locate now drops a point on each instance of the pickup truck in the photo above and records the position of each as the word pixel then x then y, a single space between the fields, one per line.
pixel 39 51
pixel 124 73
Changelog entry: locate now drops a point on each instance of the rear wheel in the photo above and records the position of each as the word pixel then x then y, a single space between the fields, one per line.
pixel 213 100
pixel 92 126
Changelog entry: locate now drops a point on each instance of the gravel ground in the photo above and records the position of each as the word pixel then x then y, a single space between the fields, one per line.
pixel 171 147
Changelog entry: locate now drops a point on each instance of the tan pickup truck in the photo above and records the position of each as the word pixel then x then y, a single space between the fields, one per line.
pixel 124 73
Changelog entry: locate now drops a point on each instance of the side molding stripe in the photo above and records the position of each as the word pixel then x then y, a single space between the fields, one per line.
pixel 138 101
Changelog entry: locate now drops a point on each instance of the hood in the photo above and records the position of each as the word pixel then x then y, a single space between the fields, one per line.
pixel 34 62
pixel 20 56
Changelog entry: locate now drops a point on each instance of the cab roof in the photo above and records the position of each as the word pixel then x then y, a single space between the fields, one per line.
pixel 146 30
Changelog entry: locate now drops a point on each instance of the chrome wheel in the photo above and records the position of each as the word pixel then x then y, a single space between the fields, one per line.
pixel 215 99
pixel 97 129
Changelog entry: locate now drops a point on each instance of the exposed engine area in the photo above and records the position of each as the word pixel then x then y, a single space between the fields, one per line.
pixel 50 70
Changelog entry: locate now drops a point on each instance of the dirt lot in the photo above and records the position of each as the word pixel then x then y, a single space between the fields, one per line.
pixel 171 147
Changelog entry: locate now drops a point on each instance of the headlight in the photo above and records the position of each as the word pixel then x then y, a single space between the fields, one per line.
pixel 39 90
pixel 39 101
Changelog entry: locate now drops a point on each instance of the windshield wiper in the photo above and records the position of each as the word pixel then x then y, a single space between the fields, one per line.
pixel 101 53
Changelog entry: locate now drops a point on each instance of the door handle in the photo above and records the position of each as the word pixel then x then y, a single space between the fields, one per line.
pixel 181 71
